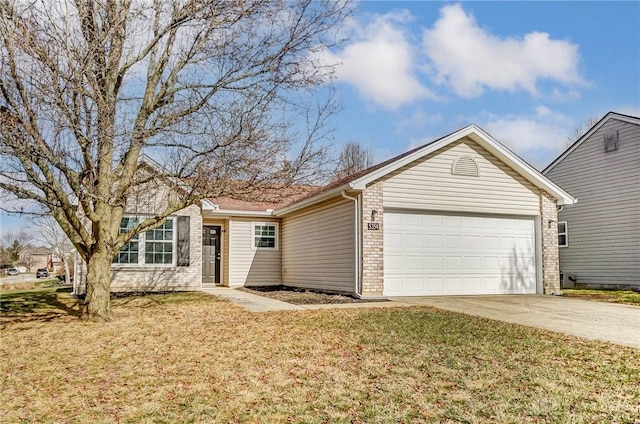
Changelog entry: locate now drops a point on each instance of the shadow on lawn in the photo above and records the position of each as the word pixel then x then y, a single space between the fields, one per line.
pixel 38 305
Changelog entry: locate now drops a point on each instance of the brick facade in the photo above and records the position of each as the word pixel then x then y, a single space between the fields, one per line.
pixel 550 255
pixel 372 241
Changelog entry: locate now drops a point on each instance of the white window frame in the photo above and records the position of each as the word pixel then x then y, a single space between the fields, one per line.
pixel 254 237
pixel 142 240
pixel 564 233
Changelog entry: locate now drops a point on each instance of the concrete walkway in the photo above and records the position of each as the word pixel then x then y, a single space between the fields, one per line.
pixel 252 302
pixel 609 322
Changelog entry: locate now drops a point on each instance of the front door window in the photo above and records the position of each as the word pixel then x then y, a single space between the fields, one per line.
pixel 211 254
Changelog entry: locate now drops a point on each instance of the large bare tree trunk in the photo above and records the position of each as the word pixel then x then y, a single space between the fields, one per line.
pixel 97 303
pixel 103 101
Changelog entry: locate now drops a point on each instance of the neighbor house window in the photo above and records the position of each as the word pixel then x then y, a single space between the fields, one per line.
pixel 563 234
pixel 611 141
pixel 265 235
pixel 153 247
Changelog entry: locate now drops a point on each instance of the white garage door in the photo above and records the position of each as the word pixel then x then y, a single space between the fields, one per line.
pixel 432 254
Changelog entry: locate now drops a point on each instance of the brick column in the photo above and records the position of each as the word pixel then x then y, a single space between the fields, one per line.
pixel 550 255
pixel 372 242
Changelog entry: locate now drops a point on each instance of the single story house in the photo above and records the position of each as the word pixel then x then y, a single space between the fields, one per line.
pixel 600 236
pixel 460 215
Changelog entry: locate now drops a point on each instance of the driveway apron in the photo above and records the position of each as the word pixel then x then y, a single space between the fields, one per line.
pixel 609 322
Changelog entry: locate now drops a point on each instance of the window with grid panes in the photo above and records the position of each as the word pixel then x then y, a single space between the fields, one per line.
pixel 264 236
pixel 158 247
pixel 130 252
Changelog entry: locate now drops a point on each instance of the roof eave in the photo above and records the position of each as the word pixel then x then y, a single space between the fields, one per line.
pixel 231 212
pixel 485 140
pixel 314 199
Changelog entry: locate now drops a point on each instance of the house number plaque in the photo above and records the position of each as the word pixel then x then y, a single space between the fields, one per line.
pixel 375 226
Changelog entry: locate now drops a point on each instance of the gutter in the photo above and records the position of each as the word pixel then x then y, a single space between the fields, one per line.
pixel 356 280
pixel 219 213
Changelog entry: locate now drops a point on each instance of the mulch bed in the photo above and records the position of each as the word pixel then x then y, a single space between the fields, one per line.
pixel 298 296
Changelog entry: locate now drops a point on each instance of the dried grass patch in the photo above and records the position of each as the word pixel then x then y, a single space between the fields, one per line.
pixel 627 297
pixel 195 358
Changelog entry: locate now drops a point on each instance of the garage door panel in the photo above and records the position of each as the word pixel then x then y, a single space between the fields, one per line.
pixel 432 241
pixel 413 241
pixel 472 242
pixel 432 254
pixel 490 242
pixel 452 221
pixel 413 263
pixel 453 242
pixel 433 263
pixel 472 263
pixel 453 263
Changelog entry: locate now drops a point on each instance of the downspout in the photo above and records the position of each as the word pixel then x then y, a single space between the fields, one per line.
pixel 356 288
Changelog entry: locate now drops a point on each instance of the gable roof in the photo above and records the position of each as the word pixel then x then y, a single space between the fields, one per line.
pixel 611 115
pixel 360 180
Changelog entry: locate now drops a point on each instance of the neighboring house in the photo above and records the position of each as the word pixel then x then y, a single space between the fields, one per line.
pixel 600 235
pixel 460 215
pixel 32 258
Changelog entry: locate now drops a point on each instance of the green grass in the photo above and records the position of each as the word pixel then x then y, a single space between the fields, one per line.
pixel 616 296
pixel 192 358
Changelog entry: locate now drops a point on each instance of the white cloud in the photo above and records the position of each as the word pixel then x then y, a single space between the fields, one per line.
pixel 418 119
pixel 471 59
pixel 537 138
pixel 379 62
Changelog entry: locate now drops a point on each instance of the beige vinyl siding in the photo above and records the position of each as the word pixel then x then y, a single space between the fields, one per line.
pixel 318 248
pixel 604 226
pixel 429 184
pixel 249 266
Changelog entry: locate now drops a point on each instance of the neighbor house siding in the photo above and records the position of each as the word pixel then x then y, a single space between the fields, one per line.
pixel 318 247
pixel 249 266
pixel 428 184
pixel 604 226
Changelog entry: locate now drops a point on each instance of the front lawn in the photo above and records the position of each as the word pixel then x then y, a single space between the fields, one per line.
pixel 627 297
pixel 194 358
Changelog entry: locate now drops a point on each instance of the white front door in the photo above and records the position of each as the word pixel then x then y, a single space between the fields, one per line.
pixel 427 254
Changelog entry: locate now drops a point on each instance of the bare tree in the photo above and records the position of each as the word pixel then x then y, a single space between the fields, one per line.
pixel 49 234
pixel 15 242
pixel 353 158
pixel 580 130
pixel 210 90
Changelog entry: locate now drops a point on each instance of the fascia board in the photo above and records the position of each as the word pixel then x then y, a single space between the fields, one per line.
pixel 314 199
pixel 231 212
pixel 485 140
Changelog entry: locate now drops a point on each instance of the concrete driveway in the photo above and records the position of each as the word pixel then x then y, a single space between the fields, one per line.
pixel 610 322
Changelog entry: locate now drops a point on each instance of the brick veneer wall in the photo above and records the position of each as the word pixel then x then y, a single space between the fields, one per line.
pixel 372 242
pixel 550 255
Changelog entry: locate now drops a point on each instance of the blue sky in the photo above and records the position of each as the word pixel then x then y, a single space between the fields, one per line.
pixel 527 72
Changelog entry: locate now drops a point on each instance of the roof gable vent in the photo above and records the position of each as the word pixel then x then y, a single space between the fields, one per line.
pixel 611 141
pixel 466 166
